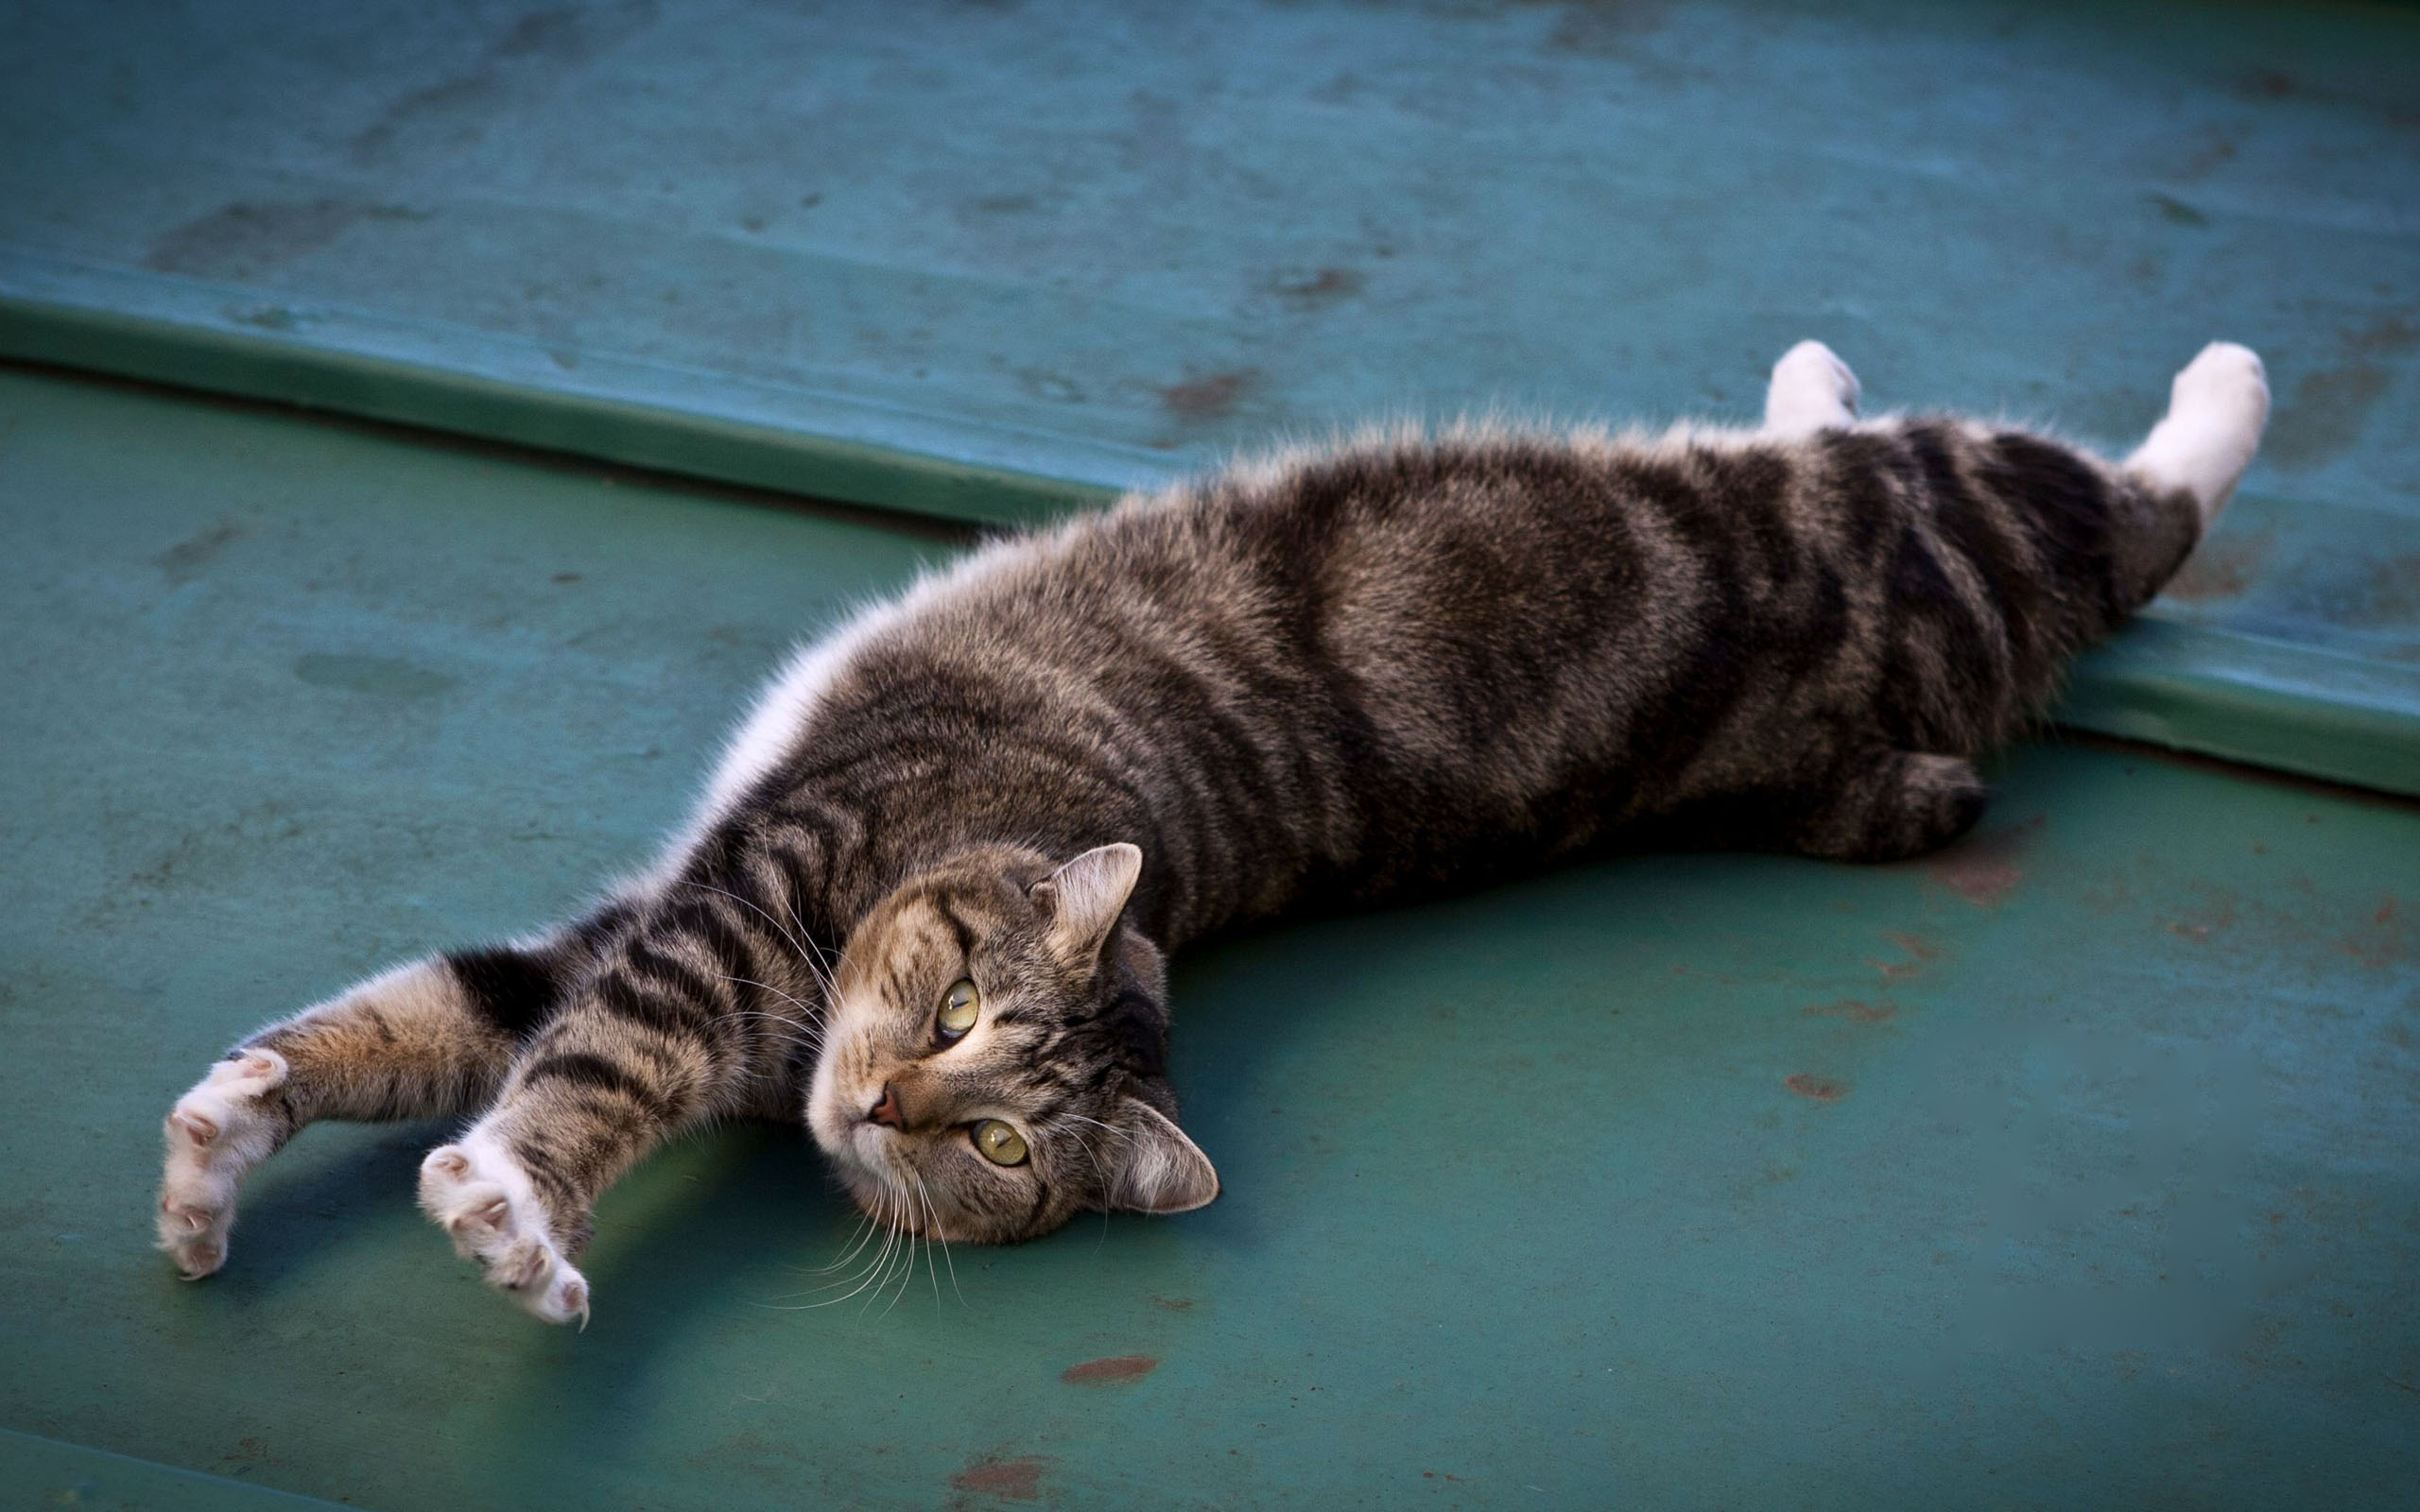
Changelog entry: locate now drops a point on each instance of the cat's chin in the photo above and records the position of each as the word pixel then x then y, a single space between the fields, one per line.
pixel 881 1190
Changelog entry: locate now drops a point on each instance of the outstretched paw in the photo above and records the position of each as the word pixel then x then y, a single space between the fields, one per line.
pixel 2217 408
pixel 1812 389
pixel 483 1201
pixel 214 1134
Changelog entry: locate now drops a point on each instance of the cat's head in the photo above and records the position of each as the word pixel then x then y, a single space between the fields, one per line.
pixel 994 1056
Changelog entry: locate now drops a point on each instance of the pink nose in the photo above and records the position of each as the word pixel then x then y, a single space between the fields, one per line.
pixel 886 1111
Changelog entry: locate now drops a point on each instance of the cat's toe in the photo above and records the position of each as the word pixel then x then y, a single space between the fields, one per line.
pixel 560 1297
pixel 194 1235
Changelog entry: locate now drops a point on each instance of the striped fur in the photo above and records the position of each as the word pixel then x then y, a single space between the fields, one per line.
pixel 1340 678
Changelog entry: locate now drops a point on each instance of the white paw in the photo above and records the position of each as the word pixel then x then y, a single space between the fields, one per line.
pixel 216 1133
pixel 1812 391
pixel 2217 408
pixel 482 1199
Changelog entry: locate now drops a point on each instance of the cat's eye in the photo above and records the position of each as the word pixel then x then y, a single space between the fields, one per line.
pixel 959 1009
pixel 1000 1144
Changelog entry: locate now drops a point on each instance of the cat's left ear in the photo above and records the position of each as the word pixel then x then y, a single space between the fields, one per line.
pixel 1157 1168
pixel 1083 899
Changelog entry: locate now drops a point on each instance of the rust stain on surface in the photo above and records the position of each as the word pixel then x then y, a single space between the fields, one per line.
pixel 1011 1480
pixel 1982 868
pixel 1920 952
pixel 1855 1011
pixel 2201 924
pixel 1206 398
pixel 2378 591
pixel 1173 1304
pixel 2380 940
pixel 2219 569
pixel 1116 1367
pixel 1822 1088
pixel 2331 405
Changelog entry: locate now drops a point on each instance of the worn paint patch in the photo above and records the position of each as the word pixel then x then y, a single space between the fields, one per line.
pixel 2176 212
pixel 1982 868
pixel 2223 568
pixel 1855 1011
pixel 1606 29
pixel 2330 408
pixel 246 237
pixel 2265 84
pixel 266 317
pixel 180 562
pixel 1011 1480
pixel 1822 1088
pixel 1323 287
pixel 2202 923
pixel 1115 1369
pixel 1206 398
pixel 1173 1304
pixel 379 675
pixel 2383 591
pixel 2379 939
pixel 1919 951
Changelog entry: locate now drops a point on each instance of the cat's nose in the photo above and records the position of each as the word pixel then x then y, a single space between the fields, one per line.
pixel 887 1110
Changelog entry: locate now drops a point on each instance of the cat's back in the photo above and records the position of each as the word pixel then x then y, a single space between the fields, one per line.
pixel 1389 542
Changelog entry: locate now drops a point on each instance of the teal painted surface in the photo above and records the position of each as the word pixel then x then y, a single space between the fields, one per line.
pixel 2080 1167
pixel 995 262
pixel 38 1473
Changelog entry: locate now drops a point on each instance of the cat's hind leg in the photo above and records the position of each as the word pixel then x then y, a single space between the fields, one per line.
pixel 1812 389
pixel 425 1041
pixel 2217 408
pixel 1887 806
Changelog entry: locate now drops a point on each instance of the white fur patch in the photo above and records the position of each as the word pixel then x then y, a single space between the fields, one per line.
pixel 215 1134
pixel 781 712
pixel 480 1197
pixel 2217 408
pixel 1812 389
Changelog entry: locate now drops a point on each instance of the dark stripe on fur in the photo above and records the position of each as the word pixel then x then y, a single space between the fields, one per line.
pixel 511 990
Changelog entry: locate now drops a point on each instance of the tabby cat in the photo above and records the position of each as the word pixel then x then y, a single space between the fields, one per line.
pixel 926 901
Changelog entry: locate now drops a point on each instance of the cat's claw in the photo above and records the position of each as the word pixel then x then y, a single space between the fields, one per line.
pixel 214 1134
pixel 483 1201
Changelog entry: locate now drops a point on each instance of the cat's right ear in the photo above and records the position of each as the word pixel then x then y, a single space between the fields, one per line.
pixel 1083 899
pixel 1158 1169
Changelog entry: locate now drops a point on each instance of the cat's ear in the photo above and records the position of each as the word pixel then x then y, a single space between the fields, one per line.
pixel 1158 1169
pixel 1083 899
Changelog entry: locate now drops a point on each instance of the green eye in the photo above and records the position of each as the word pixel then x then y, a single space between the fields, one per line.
pixel 1000 1144
pixel 958 1008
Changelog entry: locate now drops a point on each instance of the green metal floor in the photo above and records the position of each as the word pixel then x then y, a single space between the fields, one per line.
pixel 2078 1167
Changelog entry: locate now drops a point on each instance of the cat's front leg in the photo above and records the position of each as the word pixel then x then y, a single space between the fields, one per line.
pixel 422 1040
pixel 675 1026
